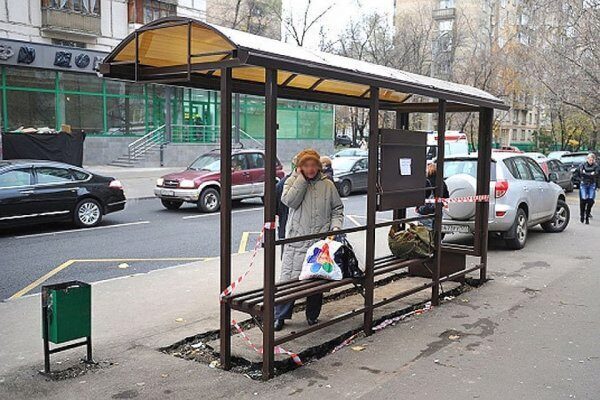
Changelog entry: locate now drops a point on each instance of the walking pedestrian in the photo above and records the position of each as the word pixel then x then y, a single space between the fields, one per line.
pixel 314 207
pixel 589 173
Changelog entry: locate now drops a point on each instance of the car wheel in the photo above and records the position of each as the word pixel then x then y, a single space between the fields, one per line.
pixel 518 231
pixel 210 200
pixel 88 213
pixel 560 220
pixel 171 204
pixel 345 188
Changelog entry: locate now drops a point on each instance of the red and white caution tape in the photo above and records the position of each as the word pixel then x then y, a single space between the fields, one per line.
pixel 259 350
pixel 482 198
pixel 235 284
pixel 231 288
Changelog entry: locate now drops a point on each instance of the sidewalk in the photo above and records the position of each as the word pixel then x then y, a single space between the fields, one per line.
pixel 138 183
pixel 531 332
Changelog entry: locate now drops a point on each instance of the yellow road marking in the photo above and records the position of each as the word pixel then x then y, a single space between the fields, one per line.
pixel 101 260
pixel 68 263
pixel 243 242
pixel 41 280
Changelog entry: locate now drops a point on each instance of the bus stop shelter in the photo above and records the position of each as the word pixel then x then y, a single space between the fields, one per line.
pixel 187 52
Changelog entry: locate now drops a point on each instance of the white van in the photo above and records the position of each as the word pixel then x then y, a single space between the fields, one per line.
pixel 456 143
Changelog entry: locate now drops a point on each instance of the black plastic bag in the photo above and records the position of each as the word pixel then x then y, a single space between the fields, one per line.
pixel 347 260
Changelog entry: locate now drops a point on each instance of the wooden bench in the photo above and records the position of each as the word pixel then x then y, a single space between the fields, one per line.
pixel 252 302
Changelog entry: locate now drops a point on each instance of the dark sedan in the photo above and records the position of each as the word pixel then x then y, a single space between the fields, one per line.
pixel 558 173
pixel 350 174
pixel 41 191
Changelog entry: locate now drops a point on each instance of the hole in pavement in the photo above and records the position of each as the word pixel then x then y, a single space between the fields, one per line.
pixel 194 348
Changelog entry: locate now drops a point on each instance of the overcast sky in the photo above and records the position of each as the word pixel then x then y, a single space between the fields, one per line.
pixel 336 19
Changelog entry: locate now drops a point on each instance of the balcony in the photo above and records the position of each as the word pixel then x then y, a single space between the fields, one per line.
pixel 444 13
pixel 70 22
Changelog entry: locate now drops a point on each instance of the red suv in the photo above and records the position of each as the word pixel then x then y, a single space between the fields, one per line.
pixel 200 183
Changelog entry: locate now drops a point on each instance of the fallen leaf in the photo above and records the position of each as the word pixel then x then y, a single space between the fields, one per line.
pixel 123 266
pixel 358 348
pixel 179 320
pixel 453 337
pixel 164 375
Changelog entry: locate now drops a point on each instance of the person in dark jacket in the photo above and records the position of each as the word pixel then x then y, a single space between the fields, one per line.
pixel 589 173
pixel 281 209
pixel 430 194
pixel 327 168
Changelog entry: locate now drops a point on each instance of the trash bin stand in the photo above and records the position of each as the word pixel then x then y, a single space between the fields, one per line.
pixel 77 329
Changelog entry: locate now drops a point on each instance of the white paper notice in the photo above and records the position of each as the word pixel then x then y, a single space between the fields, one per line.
pixel 405 166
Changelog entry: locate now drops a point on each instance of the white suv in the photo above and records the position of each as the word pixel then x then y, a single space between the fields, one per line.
pixel 521 196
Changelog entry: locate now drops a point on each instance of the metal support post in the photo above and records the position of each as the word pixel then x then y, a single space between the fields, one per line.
pixel 269 216
pixel 484 147
pixel 371 207
pixel 439 193
pixel 225 251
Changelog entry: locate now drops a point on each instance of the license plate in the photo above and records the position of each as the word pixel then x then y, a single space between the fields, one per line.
pixel 455 229
pixel 167 192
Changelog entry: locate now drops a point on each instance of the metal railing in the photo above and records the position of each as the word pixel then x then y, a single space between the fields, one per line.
pixel 195 133
pixel 208 134
pixel 151 140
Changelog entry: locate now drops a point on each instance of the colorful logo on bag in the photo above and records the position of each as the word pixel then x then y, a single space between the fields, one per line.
pixel 321 259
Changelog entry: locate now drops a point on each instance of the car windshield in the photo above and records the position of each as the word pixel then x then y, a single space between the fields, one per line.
pixel 469 167
pixel 574 158
pixel 207 162
pixel 342 164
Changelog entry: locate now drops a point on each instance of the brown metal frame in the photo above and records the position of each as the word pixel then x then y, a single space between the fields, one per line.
pixel 261 302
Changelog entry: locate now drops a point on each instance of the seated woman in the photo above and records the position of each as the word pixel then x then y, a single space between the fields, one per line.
pixel 314 207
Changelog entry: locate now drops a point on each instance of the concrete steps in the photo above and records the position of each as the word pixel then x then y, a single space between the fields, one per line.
pixel 152 156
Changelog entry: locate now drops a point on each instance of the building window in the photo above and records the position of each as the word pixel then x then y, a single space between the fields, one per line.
pixel 145 11
pixel 446 3
pixel 78 6
pixel 68 43
pixel 446 25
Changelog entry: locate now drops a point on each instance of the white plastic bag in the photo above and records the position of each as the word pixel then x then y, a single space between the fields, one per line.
pixel 319 261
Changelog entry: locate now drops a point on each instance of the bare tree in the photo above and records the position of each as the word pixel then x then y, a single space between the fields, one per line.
pixel 298 22
pixel 566 67
pixel 254 16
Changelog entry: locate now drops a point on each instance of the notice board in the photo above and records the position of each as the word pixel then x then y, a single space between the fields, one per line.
pixel 403 161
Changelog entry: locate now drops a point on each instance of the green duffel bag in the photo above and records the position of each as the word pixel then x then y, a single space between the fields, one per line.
pixel 413 242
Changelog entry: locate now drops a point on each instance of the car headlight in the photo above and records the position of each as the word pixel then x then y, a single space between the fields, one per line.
pixel 160 181
pixel 187 184
pixel 336 179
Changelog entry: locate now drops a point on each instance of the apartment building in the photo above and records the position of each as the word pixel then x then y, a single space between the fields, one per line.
pixel 464 28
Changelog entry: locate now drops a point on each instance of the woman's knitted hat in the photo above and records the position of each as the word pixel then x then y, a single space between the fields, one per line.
pixel 306 155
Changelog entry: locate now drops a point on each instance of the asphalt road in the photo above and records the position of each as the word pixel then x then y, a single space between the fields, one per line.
pixel 145 236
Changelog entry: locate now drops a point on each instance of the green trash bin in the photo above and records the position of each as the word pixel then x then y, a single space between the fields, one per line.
pixel 69 311
pixel 66 316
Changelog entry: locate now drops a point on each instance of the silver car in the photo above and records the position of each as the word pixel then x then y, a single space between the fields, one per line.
pixel 521 196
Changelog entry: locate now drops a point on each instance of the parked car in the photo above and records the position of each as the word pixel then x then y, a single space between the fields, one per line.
pixel 556 155
pixel 200 183
pixel 350 174
pixel 539 157
pixel 39 191
pixel 343 140
pixel 558 173
pixel 521 196
pixel 351 153
pixel 573 161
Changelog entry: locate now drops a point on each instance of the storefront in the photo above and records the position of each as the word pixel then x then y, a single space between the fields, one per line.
pixel 59 86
